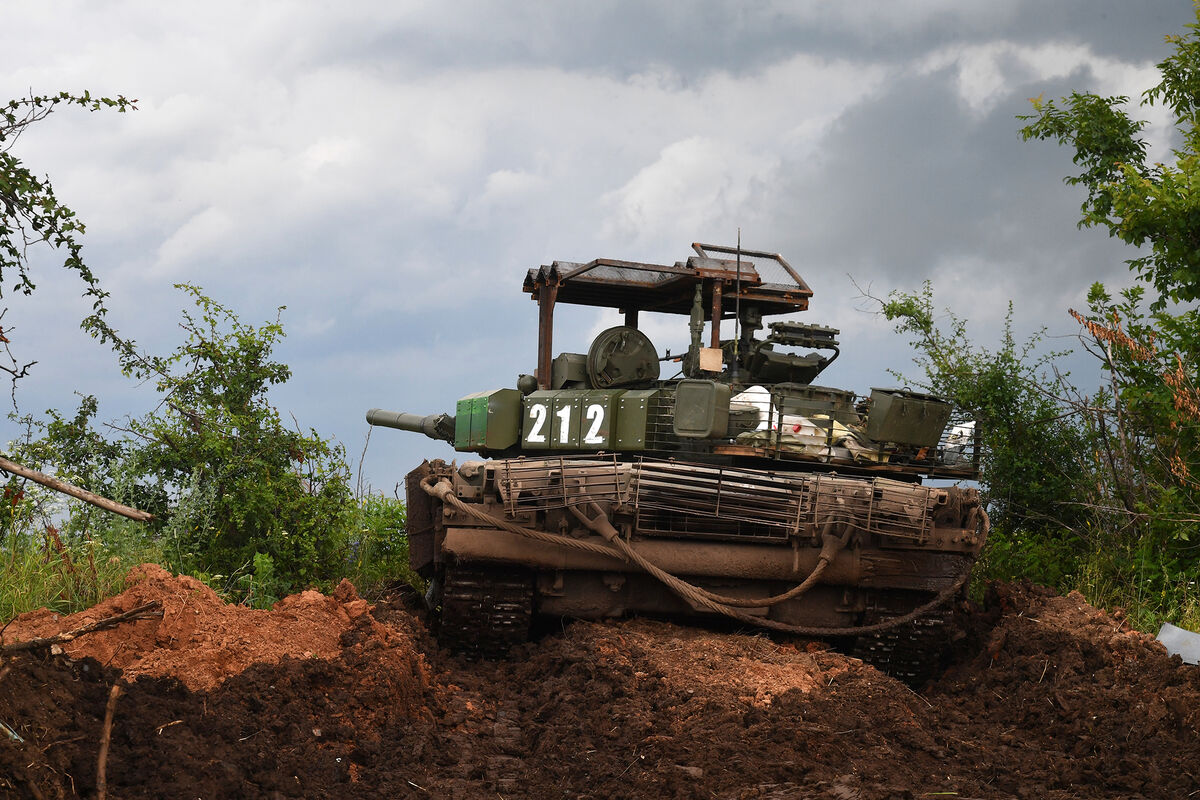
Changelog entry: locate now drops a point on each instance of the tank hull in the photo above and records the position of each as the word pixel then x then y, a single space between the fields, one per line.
pixel 593 538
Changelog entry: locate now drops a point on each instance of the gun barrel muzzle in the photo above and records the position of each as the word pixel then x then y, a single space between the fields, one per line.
pixel 435 426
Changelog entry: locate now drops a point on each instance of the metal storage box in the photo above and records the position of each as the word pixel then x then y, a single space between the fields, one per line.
pixel 905 417
pixel 701 409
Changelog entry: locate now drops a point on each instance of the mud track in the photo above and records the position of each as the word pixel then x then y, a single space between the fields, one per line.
pixel 327 697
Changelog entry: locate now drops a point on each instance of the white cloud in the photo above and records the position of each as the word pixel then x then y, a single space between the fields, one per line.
pixel 200 237
pixel 693 183
pixel 987 73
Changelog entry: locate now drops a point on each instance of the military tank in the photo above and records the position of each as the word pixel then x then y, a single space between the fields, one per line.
pixel 736 489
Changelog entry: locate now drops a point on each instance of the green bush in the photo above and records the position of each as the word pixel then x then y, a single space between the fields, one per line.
pixel 253 508
pixel 1022 554
pixel 247 495
pixel 1030 446
pixel 379 545
pixel 1089 491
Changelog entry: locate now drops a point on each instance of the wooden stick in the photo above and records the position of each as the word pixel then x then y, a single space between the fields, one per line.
pixel 144 611
pixel 105 738
pixel 74 491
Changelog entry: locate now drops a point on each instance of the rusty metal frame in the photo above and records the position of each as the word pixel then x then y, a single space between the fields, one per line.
pixel 545 285
pixel 702 250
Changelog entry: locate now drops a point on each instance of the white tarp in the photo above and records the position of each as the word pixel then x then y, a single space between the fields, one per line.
pixel 1180 642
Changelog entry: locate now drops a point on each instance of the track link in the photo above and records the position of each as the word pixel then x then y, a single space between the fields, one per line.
pixel 911 653
pixel 485 610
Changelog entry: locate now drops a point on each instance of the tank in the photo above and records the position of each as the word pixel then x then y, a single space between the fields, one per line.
pixel 719 483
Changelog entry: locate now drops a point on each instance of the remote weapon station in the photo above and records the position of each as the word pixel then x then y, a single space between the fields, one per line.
pixel 736 488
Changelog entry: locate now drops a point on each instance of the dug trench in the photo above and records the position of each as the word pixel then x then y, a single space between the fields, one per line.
pixel 329 697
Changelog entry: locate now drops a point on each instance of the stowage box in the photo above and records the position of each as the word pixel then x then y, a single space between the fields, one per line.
pixel 904 417
pixel 488 420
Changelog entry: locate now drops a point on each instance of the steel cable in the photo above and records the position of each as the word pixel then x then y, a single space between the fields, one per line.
pixel 695 595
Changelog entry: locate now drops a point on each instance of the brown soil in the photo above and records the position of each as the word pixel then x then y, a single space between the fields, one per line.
pixel 329 697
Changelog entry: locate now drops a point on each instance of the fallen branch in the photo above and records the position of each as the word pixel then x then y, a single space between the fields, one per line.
pixel 74 491
pixel 145 611
pixel 105 738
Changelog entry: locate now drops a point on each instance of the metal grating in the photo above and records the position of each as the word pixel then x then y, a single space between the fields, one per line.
pixel 545 483
pixel 687 500
pixel 692 500
pixel 660 422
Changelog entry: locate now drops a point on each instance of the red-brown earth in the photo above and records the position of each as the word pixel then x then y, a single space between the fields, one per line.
pixel 329 697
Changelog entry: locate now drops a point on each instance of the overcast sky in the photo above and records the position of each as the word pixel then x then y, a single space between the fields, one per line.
pixel 389 171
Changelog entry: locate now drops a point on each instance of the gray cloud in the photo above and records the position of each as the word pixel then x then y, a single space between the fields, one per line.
pixel 389 171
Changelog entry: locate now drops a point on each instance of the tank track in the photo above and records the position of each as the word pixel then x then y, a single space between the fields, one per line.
pixel 485 609
pixel 911 652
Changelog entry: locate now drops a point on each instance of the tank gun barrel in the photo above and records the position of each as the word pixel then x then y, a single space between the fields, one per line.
pixel 435 426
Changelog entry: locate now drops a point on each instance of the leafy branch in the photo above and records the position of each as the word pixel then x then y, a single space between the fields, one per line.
pixel 30 212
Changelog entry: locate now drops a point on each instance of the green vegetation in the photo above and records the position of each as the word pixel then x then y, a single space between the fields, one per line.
pixel 240 487
pixel 1098 489
pixel 253 508
pixel 31 214
pixel 1027 444
pixel 1139 203
pixel 63 573
pixel 1088 491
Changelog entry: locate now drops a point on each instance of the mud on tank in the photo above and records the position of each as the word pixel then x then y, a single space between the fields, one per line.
pixel 737 488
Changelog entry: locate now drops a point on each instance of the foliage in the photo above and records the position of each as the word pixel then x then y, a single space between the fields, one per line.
pixel 47 569
pixel 1030 555
pixel 1089 491
pixel 1132 493
pixel 31 213
pixel 1139 481
pixel 1028 447
pixel 245 489
pixel 379 544
pixel 241 500
pixel 1146 422
pixel 1152 585
pixel 253 507
pixel 1156 204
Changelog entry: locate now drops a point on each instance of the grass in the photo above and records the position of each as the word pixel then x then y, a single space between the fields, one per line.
pixel 43 569
pixel 377 550
pixel 1150 591
pixel 1152 583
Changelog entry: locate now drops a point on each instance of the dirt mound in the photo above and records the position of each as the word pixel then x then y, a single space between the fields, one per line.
pixel 199 640
pixel 1079 699
pixel 1051 698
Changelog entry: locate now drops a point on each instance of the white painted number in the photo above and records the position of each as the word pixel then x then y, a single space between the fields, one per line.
pixel 595 415
pixel 537 412
pixel 564 428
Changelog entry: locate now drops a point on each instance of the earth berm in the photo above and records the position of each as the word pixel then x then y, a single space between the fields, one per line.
pixel 330 697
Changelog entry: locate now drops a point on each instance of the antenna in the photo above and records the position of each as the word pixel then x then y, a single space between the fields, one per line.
pixel 737 304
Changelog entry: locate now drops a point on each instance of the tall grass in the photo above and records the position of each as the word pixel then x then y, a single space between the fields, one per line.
pixel 1150 581
pixel 1146 582
pixel 41 568
pixel 86 561
pixel 377 546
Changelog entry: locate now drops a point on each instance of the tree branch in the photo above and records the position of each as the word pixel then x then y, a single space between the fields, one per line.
pixel 74 491
pixel 144 611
